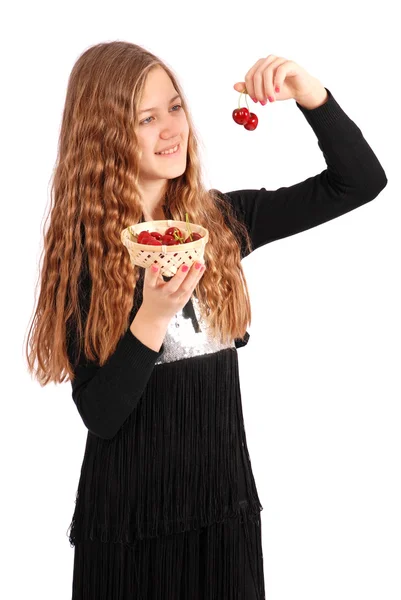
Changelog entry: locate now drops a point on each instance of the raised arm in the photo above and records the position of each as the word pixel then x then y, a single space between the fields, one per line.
pixel 353 177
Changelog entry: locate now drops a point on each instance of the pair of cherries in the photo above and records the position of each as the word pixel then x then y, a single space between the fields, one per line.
pixel 242 116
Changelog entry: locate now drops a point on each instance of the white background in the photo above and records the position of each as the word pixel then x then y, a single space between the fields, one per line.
pixel 320 376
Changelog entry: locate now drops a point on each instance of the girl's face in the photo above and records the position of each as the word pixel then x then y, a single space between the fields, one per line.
pixel 164 126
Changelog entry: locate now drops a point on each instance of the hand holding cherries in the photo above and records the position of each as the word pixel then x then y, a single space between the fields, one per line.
pixel 161 300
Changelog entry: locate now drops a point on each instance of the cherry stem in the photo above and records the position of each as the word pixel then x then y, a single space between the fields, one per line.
pixel 189 229
pixel 178 237
pixel 239 101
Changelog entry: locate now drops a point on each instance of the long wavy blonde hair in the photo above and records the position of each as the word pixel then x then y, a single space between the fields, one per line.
pixel 94 196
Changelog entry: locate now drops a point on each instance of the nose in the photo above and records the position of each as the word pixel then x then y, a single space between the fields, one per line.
pixel 170 135
pixel 170 130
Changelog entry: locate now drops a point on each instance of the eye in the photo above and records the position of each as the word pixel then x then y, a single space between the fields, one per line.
pixel 146 121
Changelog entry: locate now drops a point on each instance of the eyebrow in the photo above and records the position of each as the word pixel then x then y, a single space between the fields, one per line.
pixel 155 108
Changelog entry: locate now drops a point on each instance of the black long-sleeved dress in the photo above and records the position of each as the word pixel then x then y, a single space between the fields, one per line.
pixel 167 506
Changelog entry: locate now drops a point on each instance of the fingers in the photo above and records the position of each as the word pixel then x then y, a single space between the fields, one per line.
pixel 175 283
pixel 151 276
pixel 254 81
pixel 240 86
pixel 183 283
pixel 260 79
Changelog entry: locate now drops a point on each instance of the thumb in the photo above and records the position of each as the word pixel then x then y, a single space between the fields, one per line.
pixel 240 86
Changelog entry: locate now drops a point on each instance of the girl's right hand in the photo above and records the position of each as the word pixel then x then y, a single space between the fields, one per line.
pixel 162 300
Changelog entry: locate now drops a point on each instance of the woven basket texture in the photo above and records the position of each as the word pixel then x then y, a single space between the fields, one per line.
pixel 169 258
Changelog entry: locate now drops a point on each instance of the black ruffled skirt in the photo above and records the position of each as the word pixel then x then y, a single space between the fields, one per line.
pixel 221 561
pixel 168 509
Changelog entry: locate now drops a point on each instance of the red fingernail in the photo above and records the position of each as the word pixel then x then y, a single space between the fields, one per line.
pixel 277 90
pixel 271 99
pixel 184 268
pixel 254 99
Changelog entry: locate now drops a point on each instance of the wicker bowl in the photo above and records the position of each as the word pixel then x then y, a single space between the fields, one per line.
pixel 170 258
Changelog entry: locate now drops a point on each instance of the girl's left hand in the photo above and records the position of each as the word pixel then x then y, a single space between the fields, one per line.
pixel 268 74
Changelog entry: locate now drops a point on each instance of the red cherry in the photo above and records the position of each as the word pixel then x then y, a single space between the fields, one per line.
pixel 142 235
pixel 241 115
pixel 172 230
pixel 151 241
pixel 176 233
pixel 147 239
pixel 156 235
pixel 252 122
pixel 169 240
pixel 195 236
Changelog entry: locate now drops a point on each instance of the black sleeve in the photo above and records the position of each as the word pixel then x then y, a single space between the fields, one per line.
pixel 353 177
pixel 106 396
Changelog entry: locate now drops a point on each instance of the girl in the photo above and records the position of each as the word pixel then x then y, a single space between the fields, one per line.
pixel 167 506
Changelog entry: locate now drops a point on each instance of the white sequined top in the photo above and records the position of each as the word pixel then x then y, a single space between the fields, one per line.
pixel 183 341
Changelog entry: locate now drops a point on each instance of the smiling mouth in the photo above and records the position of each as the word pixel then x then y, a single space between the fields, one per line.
pixel 171 152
